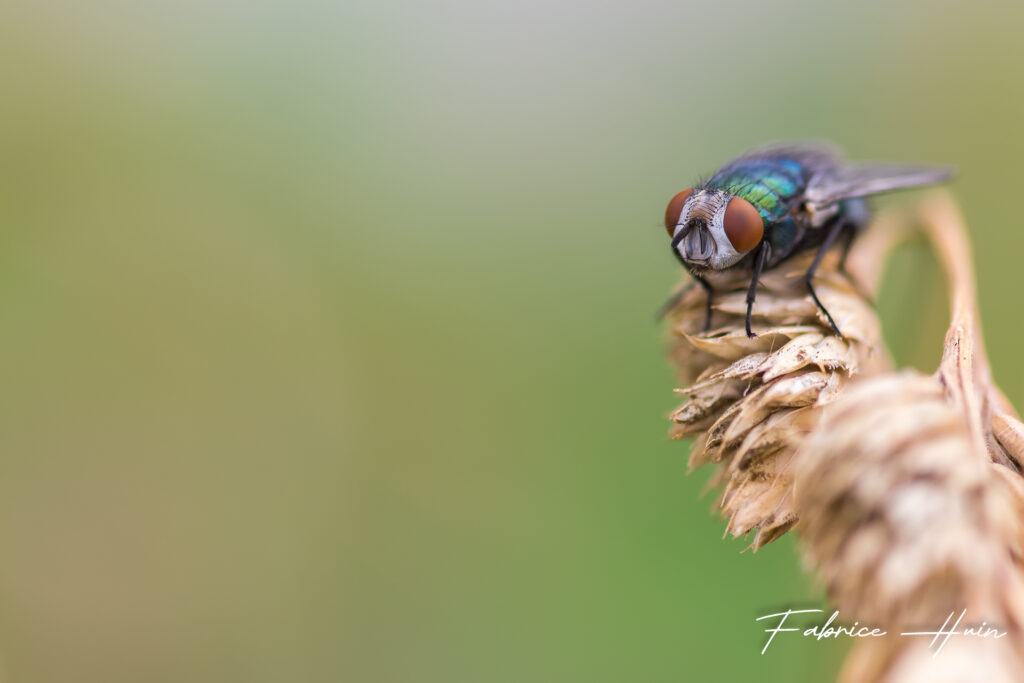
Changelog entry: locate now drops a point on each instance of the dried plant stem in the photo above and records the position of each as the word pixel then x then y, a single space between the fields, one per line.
pixel 964 370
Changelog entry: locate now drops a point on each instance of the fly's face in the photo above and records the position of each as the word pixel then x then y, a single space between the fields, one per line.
pixel 712 229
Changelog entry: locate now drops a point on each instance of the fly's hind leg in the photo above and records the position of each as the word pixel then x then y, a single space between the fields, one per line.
pixel 830 237
pixel 850 231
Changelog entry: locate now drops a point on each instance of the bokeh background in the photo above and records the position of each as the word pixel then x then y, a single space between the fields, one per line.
pixel 327 350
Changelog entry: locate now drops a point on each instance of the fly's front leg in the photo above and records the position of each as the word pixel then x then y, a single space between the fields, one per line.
pixel 708 290
pixel 759 259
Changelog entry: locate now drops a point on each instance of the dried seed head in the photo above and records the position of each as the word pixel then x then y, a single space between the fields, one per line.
pixel 752 401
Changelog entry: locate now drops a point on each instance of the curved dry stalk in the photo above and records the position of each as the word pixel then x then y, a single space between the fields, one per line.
pixel 964 369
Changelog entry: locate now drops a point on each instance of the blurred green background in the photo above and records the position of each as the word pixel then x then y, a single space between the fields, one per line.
pixel 327 345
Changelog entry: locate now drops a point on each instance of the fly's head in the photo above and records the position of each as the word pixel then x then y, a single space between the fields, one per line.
pixel 712 229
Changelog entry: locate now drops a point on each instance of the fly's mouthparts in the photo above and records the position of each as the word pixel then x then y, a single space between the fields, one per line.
pixel 698 245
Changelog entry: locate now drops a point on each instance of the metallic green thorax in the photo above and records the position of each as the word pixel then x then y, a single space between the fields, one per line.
pixel 769 184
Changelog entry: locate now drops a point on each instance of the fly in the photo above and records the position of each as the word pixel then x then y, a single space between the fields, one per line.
pixel 775 202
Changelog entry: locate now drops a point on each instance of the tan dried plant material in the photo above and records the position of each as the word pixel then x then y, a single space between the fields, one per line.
pixel 749 403
pixel 906 525
pixel 908 488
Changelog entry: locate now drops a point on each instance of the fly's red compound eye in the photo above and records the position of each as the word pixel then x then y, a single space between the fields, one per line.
pixel 743 225
pixel 675 207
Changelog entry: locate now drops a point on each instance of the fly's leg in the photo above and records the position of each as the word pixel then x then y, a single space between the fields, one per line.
pixel 671 302
pixel 850 231
pixel 833 232
pixel 708 290
pixel 759 258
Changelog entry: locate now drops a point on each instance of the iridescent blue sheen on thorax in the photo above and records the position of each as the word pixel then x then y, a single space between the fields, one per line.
pixel 769 183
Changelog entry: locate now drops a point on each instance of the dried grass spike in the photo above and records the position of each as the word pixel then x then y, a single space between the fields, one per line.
pixel 905 527
pixel 756 399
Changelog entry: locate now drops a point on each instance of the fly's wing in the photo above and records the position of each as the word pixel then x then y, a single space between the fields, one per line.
pixel 812 154
pixel 831 185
